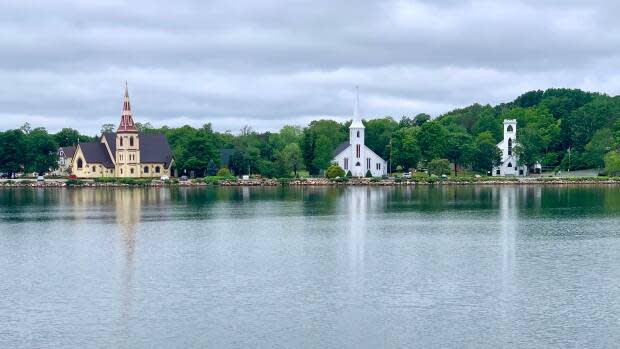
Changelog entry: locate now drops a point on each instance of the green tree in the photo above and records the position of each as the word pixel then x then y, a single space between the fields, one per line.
pixel 432 139
pixel 323 152
pixel 211 168
pixel 485 154
pixel 405 148
pixel 378 133
pixel 12 151
pixel 612 163
pixel 291 159
pixel 599 145
pixel 41 151
pixel 439 167
pixel 105 128
pixel 68 137
pixel 318 142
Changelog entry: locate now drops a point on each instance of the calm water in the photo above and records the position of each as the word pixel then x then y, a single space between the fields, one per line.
pixel 310 268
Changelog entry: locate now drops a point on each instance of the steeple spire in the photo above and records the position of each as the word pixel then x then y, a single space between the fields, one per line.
pixel 357 121
pixel 127 124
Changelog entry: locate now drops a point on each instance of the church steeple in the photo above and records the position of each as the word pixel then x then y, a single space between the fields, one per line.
pixel 127 124
pixel 357 121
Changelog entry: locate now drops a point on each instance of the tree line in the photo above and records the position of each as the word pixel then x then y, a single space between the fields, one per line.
pixel 558 128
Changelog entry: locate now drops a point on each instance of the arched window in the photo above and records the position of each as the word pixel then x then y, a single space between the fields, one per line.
pixel 509 146
pixel 157 169
pixel 131 141
pixel 121 141
pixel 121 170
pixel 131 170
pixel 94 169
pixel 358 134
pixel 80 163
pixel 510 164
pixel 357 164
pixel 509 128
pixel 146 169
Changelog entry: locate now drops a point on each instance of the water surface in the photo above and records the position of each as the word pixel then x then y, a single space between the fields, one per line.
pixel 470 266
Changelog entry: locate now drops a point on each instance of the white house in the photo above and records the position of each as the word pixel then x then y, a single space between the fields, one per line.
pixel 354 155
pixel 510 161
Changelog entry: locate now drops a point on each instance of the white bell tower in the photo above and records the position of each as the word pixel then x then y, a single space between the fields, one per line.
pixel 356 140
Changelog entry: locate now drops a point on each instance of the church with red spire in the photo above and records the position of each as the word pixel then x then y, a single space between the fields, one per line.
pixel 125 153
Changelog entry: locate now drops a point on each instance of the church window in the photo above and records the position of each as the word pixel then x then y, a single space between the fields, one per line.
pixel 157 169
pixel 358 134
pixel 94 169
pixel 510 164
pixel 346 163
pixel 358 151
pixel 131 170
pixel 146 169
pixel 131 141
pixel 509 146
pixel 121 141
pixel 121 171
pixel 368 163
pixel 509 128
pixel 497 172
pixel 80 164
pixel 357 164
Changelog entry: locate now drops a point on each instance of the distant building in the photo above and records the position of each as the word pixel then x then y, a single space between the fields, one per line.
pixel 510 161
pixel 65 155
pixel 353 155
pixel 124 153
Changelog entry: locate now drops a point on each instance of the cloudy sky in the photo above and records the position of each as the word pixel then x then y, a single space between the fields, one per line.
pixel 270 63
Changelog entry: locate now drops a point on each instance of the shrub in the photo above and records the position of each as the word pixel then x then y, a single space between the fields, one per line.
pixel 211 168
pixel 334 171
pixel 26 182
pixel 223 172
pixel 74 182
pixel 368 174
pixel 439 167
pixel 284 181
pixel 349 174
pixel 375 179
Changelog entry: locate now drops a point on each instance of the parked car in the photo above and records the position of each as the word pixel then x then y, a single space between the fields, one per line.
pixel 407 175
pixel 165 178
pixel 183 179
pixel 40 179
pixel 72 176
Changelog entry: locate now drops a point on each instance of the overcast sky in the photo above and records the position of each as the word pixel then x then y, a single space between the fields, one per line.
pixel 270 63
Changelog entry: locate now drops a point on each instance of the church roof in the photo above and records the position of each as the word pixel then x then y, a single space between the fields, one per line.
pixel 110 137
pixel 69 151
pixel 96 153
pixel 127 124
pixel 342 147
pixel 154 148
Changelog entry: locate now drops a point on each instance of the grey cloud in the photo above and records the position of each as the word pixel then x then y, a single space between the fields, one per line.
pixel 268 63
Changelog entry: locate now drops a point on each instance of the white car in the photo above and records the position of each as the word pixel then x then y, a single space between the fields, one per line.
pixel 165 178
pixel 40 179
pixel 407 175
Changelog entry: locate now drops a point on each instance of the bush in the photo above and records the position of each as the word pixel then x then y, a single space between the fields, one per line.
pixel 368 174
pixel 74 182
pixel 223 172
pixel 26 182
pixel 284 181
pixel 375 179
pixel 334 171
pixel 439 167
pixel 349 174
pixel 211 168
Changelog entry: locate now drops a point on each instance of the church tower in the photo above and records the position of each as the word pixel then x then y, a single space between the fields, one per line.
pixel 127 143
pixel 356 140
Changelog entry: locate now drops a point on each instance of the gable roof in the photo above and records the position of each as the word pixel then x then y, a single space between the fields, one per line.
pixel 110 137
pixel 96 153
pixel 342 147
pixel 69 151
pixel 154 148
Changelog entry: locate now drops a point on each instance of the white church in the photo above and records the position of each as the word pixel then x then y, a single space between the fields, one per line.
pixel 510 161
pixel 354 155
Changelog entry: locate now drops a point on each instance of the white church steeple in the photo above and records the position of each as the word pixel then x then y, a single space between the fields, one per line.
pixel 357 121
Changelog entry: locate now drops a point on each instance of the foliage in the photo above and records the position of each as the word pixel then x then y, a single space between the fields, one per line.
pixel 334 171
pixel 211 168
pixel 368 174
pixel 224 172
pixel 349 174
pixel 439 167
pixel 612 163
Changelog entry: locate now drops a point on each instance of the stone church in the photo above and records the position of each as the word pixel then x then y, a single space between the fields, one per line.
pixel 124 153
pixel 353 155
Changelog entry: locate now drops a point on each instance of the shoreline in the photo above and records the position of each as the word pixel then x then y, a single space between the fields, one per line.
pixel 320 182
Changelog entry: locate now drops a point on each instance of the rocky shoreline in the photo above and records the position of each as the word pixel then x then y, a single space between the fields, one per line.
pixel 319 182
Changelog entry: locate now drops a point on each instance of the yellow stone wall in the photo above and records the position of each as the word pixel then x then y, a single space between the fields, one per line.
pixel 88 170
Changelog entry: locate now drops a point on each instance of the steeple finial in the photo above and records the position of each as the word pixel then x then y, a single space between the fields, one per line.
pixel 357 121
pixel 127 124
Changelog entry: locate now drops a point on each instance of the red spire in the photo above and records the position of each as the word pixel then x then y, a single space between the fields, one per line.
pixel 127 124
